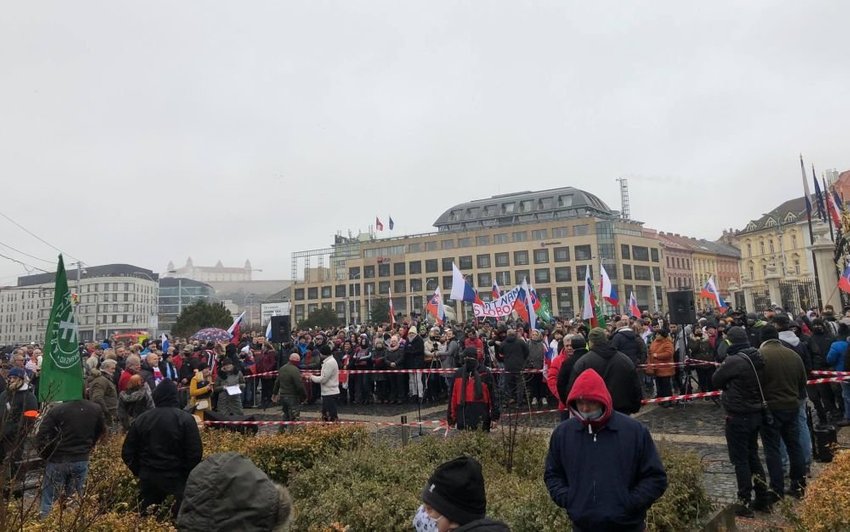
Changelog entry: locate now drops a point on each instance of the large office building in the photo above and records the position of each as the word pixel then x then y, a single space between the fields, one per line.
pixel 177 293
pixel 549 237
pixel 112 299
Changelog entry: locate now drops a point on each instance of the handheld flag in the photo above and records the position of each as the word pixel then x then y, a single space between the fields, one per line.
pixel 165 343
pixel 497 293
pixel 709 291
pixel 269 331
pixel 435 307
pixel 392 310
pixel 378 225
pixel 589 310
pixel 634 309
pixel 392 223
pixel 461 291
pixel 61 373
pixel 844 280
pixel 606 289
pixel 529 304
pixel 235 329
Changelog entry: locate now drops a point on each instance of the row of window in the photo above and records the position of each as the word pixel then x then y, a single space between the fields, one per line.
pixel 511 207
pixel 484 281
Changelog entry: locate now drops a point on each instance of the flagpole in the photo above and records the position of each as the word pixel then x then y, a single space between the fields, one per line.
pixel 807 201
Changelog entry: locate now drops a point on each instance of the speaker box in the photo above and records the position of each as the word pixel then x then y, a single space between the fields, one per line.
pixel 281 329
pixel 681 306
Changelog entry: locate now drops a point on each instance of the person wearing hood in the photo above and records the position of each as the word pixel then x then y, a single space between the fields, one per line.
pixel 617 371
pixel 228 492
pixel 514 354
pixel 602 466
pixel 162 446
pixel 473 404
pixel 454 498
pixel 740 378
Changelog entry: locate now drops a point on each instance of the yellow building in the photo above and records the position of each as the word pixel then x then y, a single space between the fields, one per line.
pixel 549 237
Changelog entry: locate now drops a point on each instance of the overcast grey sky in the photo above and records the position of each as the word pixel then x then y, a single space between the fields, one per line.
pixel 147 131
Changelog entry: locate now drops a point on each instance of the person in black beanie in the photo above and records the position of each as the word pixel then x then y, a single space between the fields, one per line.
pixel 454 498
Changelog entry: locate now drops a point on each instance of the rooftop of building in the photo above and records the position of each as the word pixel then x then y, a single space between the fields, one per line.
pixel 87 272
pixel 787 212
pixel 523 207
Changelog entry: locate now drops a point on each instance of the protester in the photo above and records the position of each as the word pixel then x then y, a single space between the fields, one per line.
pixel 102 392
pixel 132 366
pixel 135 400
pixel 228 492
pixel 617 371
pixel 741 378
pixel 473 405
pixel 17 402
pixel 201 390
pixel 65 439
pixel 329 381
pixel 602 466
pixel 161 448
pixel 660 364
pixel 414 359
pixel 537 349
pixel 455 499
pixel 229 384
pixel 289 389
pixel 838 360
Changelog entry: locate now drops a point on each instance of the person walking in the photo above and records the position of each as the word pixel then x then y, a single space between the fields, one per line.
pixel 65 439
pixel 329 381
pixel 602 466
pixel 162 447
pixel 289 389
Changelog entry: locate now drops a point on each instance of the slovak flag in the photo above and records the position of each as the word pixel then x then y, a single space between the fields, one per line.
pixel 709 291
pixel 497 293
pixel 392 310
pixel 461 290
pixel 378 225
pixel 165 343
pixel 589 312
pixel 234 329
pixel 606 289
pixel 435 307
pixel 844 280
pixel 634 309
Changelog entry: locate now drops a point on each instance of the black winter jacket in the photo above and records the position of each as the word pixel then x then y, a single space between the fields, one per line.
pixel 163 441
pixel 70 430
pixel 619 374
pixel 736 378
pixel 626 341
pixel 515 353
pixel 414 353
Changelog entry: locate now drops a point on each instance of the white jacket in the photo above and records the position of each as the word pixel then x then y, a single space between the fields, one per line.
pixel 329 378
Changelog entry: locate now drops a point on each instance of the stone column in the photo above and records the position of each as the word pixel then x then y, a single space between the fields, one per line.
pixel 827 274
pixel 747 287
pixel 772 279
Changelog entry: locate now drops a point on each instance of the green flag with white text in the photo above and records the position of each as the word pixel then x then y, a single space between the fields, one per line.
pixel 61 372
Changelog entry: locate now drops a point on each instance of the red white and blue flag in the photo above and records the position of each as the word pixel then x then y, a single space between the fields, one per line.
pixel 709 291
pixel 606 289
pixel 634 309
pixel 435 307
pixel 378 225
pixel 235 330
pixel 844 280
pixel 461 290
pixel 589 310
pixel 497 293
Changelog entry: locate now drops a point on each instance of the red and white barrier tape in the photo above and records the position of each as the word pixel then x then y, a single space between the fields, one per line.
pixel 831 373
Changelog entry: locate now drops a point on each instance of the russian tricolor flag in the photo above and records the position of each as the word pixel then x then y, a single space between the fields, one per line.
pixel 234 329
pixel 497 293
pixel 844 280
pixel 634 309
pixel 606 289
pixel 461 290
pixel 709 291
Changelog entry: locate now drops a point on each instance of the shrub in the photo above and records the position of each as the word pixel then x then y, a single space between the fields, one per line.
pixel 685 502
pixel 824 508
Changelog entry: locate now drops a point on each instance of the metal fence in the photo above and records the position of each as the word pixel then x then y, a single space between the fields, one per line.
pixel 761 298
pixel 799 294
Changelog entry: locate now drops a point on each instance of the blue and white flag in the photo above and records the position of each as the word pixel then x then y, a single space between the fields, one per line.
pixel 165 343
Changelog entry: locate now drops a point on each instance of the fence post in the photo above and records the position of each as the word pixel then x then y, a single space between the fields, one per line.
pixel 405 431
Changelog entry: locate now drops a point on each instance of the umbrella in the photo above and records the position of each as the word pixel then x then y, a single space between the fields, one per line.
pixel 211 334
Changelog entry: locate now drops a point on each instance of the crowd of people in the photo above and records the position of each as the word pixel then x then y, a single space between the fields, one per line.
pixel 595 376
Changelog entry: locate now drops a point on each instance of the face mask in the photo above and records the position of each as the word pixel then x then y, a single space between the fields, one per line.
pixel 591 416
pixel 471 363
pixel 422 522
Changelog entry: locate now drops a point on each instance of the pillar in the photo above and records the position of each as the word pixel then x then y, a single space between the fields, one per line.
pixel 827 273
pixel 747 287
pixel 772 279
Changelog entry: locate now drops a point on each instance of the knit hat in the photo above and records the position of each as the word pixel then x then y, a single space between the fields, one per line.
pixel 456 490
pixel 597 336
pixel 18 372
pixel 577 342
pixel 737 335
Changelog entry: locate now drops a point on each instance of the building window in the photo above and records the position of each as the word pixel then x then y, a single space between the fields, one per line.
pixel 627 271
pixel 384 269
pixel 415 266
pixel 354 289
pixel 465 262
pixel 520 236
pixel 581 230
pixel 565 301
pixel 431 266
pixel 560 232
pixel 415 247
pixel 541 256
pixel 502 260
pixel 640 253
pixel 503 278
pixel 464 242
pixel 583 253
pixel 447 283
pixel 399 268
pixel 482 261
pixel 500 238
pixel 563 274
pixel 369 272
pixel 520 258
pixel 611 270
pixel 541 275
pixel 384 287
pixel 653 253
pixel 519 275
pixel 485 280
pixel 656 272
pixel 416 285
pixel 539 234
pixel 624 252
pixel 508 208
pixel 313 293
pixel 339 290
pixel 299 294
pixel 525 205
pixel 793 241
pixel 447 264
pixel 447 244
pixel 354 273
pixel 761 246
pixel 642 273
pixel 399 286
pixel 431 245
pixel 482 240
pixel 562 254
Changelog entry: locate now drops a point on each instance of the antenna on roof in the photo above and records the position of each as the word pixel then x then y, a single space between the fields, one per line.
pixel 625 210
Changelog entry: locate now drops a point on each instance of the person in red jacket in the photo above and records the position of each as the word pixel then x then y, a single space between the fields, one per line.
pixel 552 378
pixel 473 403
pixel 472 340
